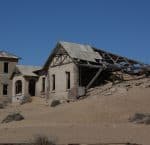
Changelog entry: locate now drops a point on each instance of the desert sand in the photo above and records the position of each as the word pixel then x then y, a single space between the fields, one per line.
pixel 95 119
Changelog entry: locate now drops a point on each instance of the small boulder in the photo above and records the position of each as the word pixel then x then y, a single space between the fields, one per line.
pixel 140 118
pixel 138 83
pixel 25 100
pixel 55 103
pixel 146 120
pixel 13 117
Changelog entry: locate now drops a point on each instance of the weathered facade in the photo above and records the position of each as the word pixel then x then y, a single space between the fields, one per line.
pixel 64 74
pixel 70 70
pixel 7 64
pixel 73 68
pixel 26 83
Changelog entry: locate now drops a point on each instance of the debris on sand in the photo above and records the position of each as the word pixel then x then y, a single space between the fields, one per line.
pixel 140 118
pixel 25 100
pixel 13 117
pixel 55 103
pixel 120 88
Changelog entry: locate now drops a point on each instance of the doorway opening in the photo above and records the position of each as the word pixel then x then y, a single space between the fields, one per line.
pixel 32 84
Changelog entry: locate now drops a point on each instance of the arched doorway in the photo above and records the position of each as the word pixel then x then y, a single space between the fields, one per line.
pixel 18 87
pixel 31 87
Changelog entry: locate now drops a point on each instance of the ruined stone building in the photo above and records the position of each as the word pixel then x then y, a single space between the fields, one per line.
pixel 69 71
pixel 26 82
pixel 8 62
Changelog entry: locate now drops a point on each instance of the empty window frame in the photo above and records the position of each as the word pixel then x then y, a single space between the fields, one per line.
pixel 18 85
pixel 43 84
pixel 53 82
pixel 67 80
pixel 5 89
pixel 5 67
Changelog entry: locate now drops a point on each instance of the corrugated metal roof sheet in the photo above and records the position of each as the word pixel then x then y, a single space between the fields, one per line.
pixel 27 70
pixel 4 54
pixel 79 51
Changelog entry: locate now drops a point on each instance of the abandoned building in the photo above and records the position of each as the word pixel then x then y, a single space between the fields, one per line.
pixel 70 70
pixel 73 68
pixel 25 82
pixel 8 62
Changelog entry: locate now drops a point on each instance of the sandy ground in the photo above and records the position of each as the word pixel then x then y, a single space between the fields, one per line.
pixel 96 119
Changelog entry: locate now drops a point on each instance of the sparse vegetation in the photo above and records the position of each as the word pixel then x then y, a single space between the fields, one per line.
pixel 55 103
pixel 43 140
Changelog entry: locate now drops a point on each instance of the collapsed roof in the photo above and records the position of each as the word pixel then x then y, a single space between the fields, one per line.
pixel 88 56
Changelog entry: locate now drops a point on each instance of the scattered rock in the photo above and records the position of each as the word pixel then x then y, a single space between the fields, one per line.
pixel 138 83
pixel 113 90
pixel 13 117
pixel 25 100
pixel 147 86
pixel 55 103
pixel 107 93
pixel 146 120
pixel 140 118
pixel 120 88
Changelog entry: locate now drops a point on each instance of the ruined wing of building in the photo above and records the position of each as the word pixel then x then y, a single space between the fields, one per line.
pixel 25 82
pixel 8 62
pixel 68 72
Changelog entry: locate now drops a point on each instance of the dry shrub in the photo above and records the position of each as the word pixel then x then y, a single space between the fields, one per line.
pixel 43 140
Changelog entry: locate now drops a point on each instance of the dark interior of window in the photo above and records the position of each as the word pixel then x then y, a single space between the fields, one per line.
pixel 5 89
pixel 53 81
pixel 18 87
pixel 68 80
pixel 5 67
pixel 32 87
pixel 43 84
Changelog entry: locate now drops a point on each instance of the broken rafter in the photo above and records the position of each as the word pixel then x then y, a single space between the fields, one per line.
pixel 107 55
pixel 90 65
pixel 95 77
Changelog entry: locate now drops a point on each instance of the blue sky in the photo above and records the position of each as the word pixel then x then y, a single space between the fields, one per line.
pixel 31 28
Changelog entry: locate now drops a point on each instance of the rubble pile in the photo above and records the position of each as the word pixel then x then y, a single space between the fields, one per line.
pixel 120 88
